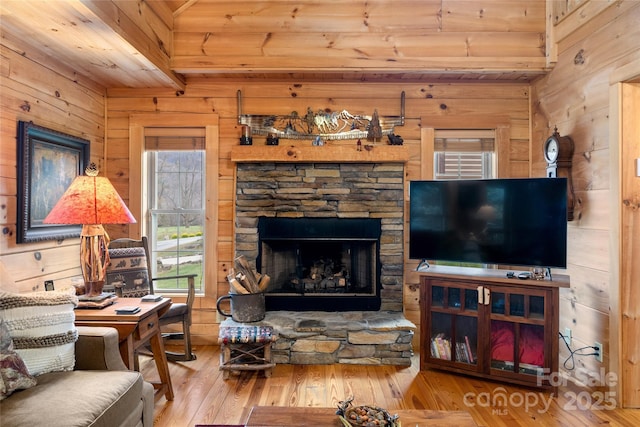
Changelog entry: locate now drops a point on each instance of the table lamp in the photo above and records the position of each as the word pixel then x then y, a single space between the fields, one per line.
pixel 91 201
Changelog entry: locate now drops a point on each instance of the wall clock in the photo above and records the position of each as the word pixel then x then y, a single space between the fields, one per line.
pixel 558 153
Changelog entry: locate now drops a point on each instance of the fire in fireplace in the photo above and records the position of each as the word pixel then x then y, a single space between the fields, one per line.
pixel 329 264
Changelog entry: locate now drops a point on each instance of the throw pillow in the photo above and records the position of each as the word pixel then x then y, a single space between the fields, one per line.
pixel 14 374
pixel 127 274
pixel 41 325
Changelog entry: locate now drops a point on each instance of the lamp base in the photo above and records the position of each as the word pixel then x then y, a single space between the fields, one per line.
pixel 93 289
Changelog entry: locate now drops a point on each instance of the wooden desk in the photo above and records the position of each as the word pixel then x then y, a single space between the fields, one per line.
pixel 134 331
pixel 279 416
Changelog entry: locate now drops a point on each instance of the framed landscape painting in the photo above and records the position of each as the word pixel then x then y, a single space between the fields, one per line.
pixel 48 161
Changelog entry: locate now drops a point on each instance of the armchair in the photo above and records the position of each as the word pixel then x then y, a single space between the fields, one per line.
pixel 130 274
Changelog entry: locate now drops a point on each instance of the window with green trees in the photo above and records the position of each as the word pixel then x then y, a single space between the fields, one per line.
pixel 176 209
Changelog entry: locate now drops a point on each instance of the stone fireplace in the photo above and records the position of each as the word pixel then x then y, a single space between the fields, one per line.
pixel 330 235
pixel 327 190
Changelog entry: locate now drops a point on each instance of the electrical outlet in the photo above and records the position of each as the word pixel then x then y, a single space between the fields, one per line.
pixel 567 335
pixel 598 349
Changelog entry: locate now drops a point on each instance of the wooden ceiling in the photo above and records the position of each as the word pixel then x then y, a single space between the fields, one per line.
pixel 156 43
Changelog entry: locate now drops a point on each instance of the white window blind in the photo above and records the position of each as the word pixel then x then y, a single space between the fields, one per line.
pixel 464 154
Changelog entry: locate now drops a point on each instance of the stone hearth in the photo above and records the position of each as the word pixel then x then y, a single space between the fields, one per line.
pixel 353 337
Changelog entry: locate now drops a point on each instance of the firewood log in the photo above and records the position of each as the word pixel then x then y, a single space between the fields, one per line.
pixel 236 286
pixel 263 284
pixel 242 281
pixel 250 280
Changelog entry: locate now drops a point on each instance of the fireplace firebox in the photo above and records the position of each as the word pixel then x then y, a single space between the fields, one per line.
pixel 329 264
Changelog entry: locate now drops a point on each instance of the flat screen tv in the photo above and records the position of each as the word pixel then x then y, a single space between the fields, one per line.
pixel 516 222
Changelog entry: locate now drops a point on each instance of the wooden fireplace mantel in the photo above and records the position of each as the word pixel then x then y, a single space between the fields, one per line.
pixel 320 154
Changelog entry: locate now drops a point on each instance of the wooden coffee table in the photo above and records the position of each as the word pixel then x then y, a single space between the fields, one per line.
pixel 277 416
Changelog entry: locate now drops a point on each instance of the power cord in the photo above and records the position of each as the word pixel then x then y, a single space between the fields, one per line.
pixel 576 352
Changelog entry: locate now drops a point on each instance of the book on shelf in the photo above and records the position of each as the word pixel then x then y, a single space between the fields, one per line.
pixel 470 354
pixel 434 349
pixel 447 348
pixel 441 347
pixel 461 353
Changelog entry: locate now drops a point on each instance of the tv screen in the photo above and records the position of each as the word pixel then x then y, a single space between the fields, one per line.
pixel 519 222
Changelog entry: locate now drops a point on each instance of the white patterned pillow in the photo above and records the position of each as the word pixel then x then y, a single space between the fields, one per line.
pixel 42 327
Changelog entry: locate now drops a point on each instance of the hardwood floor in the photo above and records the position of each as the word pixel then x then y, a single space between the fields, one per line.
pixel 203 397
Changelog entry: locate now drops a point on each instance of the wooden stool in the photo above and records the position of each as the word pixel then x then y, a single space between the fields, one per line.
pixel 245 348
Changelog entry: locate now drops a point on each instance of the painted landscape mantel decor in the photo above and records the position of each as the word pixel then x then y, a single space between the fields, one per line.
pixel 48 162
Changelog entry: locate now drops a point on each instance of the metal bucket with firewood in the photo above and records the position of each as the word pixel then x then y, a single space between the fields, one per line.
pixel 246 293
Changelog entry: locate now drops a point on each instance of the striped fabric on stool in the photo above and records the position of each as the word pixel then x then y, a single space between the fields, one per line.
pixel 245 334
pixel 245 348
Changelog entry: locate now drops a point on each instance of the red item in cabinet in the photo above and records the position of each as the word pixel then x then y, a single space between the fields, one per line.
pixel 531 346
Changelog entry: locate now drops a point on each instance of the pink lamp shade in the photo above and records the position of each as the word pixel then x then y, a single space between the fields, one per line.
pixel 90 200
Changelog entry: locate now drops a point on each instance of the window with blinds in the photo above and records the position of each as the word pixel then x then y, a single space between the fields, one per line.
pixel 175 163
pixel 464 154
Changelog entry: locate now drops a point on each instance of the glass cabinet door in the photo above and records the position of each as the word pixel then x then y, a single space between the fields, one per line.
pixel 527 357
pixel 441 333
pixel 454 324
pixel 454 338
pixel 503 345
pixel 517 332
pixel 531 349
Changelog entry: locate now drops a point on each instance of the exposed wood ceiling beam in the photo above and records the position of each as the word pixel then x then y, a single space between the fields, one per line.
pixel 149 43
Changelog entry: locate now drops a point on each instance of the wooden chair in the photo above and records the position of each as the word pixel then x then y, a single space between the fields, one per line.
pixel 129 274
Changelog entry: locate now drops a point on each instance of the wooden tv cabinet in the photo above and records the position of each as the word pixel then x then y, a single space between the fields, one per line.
pixel 471 320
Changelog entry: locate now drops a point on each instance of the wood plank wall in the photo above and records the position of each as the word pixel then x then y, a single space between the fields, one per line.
pixel 440 102
pixel 53 96
pixel 575 97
